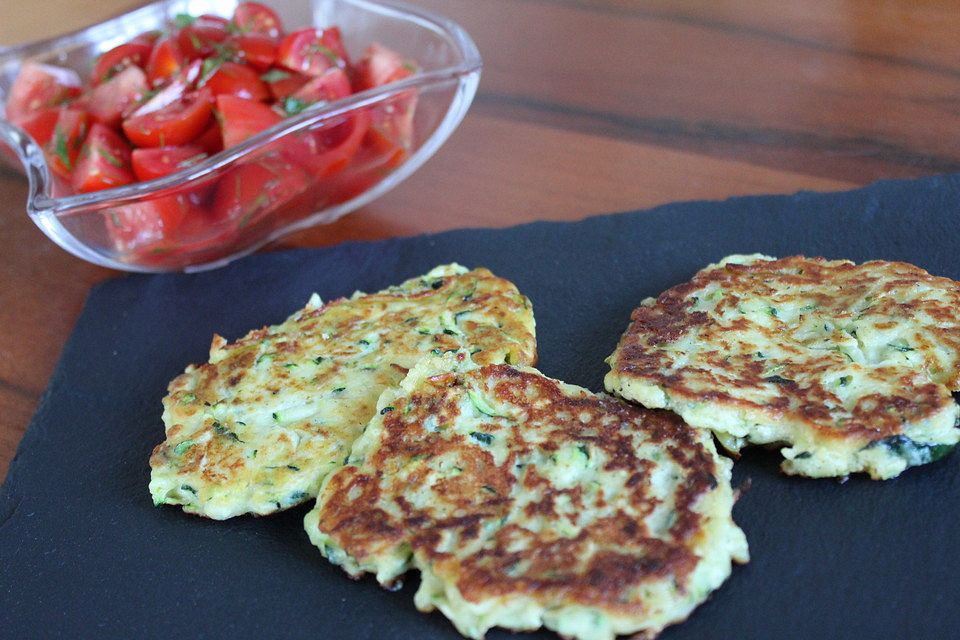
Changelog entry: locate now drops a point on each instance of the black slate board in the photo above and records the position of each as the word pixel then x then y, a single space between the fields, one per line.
pixel 84 552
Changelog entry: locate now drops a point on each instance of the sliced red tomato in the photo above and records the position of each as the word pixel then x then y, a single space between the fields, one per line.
pixel 179 86
pixel 283 83
pixel 236 79
pixel 392 119
pixel 379 66
pixel 380 151
pixel 211 19
pixel 40 125
pixel 40 86
pixel 331 86
pixel 257 50
pixel 176 124
pixel 210 140
pixel 329 150
pixel 254 190
pixel 313 51
pixel 141 225
pixel 202 38
pixel 148 37
pixel 165 61
pixel 241 118
pixel 253 17
pixel 108 102
pixel 149 164
pixel 104 161
pixel 68 136
pixel 115 60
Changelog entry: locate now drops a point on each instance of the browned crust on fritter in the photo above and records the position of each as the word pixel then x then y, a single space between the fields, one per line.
pixel 602 566
pixel 800 396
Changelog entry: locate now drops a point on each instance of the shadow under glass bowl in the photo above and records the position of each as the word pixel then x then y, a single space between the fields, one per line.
pixel 271 184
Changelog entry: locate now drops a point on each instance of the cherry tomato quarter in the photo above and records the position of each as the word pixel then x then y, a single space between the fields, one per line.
pixel 149 164
pixel 253 17
pixel 40 86
pixel 104 161
pixel 178 123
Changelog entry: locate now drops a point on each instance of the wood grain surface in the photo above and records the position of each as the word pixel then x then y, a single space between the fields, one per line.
pixel 585 107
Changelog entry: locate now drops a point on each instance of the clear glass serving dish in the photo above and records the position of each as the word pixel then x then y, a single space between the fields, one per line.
pixel 122 227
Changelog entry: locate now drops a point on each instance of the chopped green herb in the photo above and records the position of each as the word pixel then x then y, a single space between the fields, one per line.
pixel 365 342
pixel 901 346
pixel 914 453
pixel 316 47
pixel 436 284
pixel 339 389
pixel 293 467
pixel 385 410
pixel 803 455
pixel 181 448
pixel 296 496
pixel 292 105
pixel 222 430
pixel 290 365
pixel 482 438
pixel 844 380
pixel 318 360
pixel 60 148
pixel 778 380
pixel 186 487
pixel 109 157
pixel 207 69
pixel 584 449
pixel 266 357
pixel 274 75
pixel 773 311
pixel 182 20
pixel 489 489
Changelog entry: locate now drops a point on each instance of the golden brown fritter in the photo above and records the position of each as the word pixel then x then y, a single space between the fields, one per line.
pixel 257 428
pixel 849 365
pixel 525 502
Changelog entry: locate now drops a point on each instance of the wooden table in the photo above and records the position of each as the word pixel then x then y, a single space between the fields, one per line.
pixel 585 107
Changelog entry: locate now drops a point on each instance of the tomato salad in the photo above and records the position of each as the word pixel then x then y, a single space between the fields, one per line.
pixel 166 100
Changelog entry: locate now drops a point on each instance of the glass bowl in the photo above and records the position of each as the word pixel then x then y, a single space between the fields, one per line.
pixel 241 198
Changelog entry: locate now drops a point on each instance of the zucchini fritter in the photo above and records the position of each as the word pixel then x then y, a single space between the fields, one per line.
pixel 257 428
pixel 850 366
pixel 527 502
